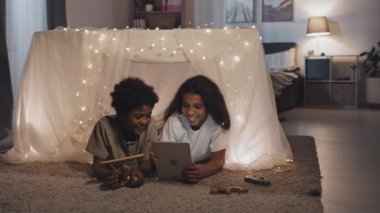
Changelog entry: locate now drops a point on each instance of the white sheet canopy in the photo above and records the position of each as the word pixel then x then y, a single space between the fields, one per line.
pixel 70 74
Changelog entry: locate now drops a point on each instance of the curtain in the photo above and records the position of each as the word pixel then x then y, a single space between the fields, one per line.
pixel 23 19
pixel 6 98
pixel 70 74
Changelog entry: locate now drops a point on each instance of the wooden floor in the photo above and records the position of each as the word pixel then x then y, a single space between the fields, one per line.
pixel 348 147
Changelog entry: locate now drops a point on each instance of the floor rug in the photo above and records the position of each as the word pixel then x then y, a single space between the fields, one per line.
pixel 68 187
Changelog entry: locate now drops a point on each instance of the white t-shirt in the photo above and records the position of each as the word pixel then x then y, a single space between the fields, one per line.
pixel 209 138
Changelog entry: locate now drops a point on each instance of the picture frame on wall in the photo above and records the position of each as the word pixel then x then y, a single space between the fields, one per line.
pixel 240 11
pixel 277 10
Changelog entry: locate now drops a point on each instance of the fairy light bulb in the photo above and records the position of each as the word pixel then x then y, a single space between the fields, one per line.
pixel 221 63
pixel 236 59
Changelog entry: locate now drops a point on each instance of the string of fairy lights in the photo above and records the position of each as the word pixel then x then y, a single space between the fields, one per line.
pixel 160 49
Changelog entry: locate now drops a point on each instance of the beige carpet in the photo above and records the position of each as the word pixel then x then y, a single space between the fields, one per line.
pixel 67 187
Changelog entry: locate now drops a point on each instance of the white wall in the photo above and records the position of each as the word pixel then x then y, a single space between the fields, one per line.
pixel 354 24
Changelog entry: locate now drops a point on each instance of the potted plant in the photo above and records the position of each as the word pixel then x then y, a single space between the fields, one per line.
pixel 371 68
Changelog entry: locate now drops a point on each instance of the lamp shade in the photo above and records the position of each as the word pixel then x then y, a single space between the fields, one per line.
pixel 317 26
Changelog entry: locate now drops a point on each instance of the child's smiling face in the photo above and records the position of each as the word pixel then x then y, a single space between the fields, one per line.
pixel 139 119
pixel 194 109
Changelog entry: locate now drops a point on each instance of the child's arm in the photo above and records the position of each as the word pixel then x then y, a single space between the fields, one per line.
pixel 107 173
pixel 195 172
pixel 116 175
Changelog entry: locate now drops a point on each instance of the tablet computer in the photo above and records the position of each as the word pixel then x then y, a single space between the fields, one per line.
pixel 172 158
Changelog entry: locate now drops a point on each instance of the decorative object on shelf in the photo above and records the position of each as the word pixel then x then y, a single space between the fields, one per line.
pixel 139 5
pixel 318 26
pixel 149 7
pixel 277 11
pixel 158 4
pixel 371 68
pixel 173 5
pixel 240 12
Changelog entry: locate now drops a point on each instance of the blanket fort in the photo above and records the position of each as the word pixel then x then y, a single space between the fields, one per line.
pixel 70 73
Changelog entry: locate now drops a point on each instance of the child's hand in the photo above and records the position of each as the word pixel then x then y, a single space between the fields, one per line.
pixel 112 179
pixel 153 157
pixel 135 179
pixel 192 173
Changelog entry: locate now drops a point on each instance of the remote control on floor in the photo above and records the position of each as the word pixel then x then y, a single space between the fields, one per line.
pixel 255 180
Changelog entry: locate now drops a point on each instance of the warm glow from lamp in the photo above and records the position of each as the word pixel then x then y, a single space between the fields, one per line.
pixel 317 26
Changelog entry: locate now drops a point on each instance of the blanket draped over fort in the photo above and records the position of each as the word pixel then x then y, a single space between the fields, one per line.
pixel 70 73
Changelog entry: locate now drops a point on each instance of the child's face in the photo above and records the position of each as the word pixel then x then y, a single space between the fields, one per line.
pixel 194 109
pixel 139 119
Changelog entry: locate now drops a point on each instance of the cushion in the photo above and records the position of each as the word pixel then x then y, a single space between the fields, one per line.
pixel 285 60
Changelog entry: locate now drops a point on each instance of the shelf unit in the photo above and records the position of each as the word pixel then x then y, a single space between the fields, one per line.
pixel 161 17
pixel 331 81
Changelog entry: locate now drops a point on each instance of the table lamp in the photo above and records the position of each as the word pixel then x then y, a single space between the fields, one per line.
pixel 317 26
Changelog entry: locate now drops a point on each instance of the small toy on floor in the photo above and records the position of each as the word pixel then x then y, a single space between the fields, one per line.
pixel 228 189
pixel 258 181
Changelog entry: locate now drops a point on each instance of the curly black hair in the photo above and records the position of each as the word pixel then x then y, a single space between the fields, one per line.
pixel 211 95
pixel 132 93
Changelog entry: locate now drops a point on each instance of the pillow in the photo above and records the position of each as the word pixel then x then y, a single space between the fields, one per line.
pixel 281 61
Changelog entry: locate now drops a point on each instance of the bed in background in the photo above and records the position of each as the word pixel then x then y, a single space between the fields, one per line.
pixel 285 74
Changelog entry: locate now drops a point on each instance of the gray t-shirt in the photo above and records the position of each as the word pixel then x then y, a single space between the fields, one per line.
pixel 105 140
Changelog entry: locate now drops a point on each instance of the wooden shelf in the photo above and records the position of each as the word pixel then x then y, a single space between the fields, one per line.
pixel 156 19
pixel 331 81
